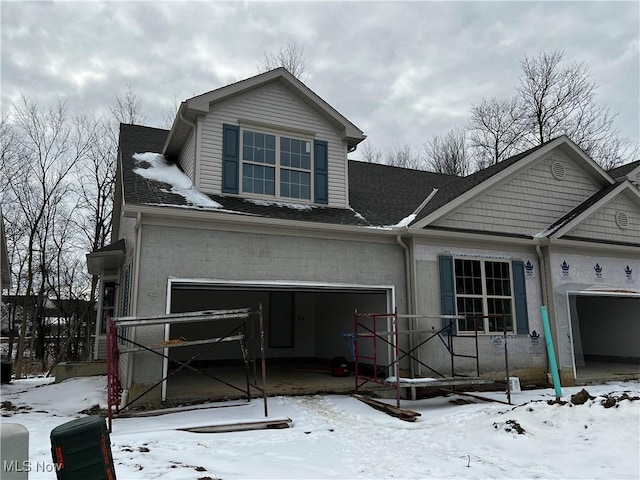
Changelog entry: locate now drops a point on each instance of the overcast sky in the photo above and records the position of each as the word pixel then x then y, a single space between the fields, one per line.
pixel 402 72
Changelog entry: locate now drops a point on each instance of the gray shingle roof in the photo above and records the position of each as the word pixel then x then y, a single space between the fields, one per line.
pixel 623 170
pixel 139 190
pixel 580 209
pixel 117 246
pixel 385 195
pixel 379 195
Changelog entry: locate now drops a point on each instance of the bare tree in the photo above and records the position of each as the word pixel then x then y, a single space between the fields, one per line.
pixel 96 175
pixel 552 100
pixel 169 113
pixel 57 177
pixel 96 183
pixel 128 109
pixel 559 99
pixel 448 153
pixel 289 56
pixel 496 130
pixel 370 154
pixel 96 180
pixel 66 282
pixel 551 94
pixel 402 155
pixel 49 146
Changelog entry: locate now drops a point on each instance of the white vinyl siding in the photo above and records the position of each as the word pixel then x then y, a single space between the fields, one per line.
pixel 602 224
pixel 528 203
pixel 101 349
pixel 187 156
pixel 274 105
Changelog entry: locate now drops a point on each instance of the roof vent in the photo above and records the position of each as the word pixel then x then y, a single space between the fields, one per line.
pixel 622 220
pixel 558 171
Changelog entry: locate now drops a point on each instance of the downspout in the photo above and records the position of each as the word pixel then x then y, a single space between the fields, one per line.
pixel 408 283
pixel 134 299
pixel 407 272
pixel 411 285
pixel 553 366
pixel 543 275
pixel 408 267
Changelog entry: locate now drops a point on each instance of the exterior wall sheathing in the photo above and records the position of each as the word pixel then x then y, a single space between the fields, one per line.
pixel 213 254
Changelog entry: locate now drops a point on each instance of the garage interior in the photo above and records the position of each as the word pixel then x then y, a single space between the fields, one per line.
pixel 606 336
pixel 303 335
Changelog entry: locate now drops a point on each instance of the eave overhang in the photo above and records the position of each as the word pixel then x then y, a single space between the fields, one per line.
pixel 212 217
pixel 110 257
pixel 624 186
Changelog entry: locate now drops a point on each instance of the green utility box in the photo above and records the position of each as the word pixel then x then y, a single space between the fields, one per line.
pixel 82 450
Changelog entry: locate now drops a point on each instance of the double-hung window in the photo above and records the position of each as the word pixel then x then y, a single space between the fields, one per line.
pixel 276 165
pixel 484 295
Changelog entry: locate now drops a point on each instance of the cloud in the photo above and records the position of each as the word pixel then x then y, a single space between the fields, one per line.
pixel 401 71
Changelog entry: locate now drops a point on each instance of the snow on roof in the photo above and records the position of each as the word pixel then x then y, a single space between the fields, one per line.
pixel 269 203
pixel 405 221
pixel 160 170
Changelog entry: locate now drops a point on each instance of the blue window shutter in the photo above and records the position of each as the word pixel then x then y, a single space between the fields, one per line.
pixel 520 297
pixel 320 169
pixel 230 158
pixel 447 289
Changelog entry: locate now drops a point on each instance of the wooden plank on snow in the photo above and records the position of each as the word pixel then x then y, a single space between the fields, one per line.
pixel 401 413
pixel 275 423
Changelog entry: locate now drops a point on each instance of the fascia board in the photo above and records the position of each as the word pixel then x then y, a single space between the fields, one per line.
pixel 202 103
pixel 571 149
pixel 634 174
pixel 576 245
pixel 241 219
pixel 448 235
pixel 118 199
pixel 626 185
pixel 177 127
pixel 97 262
pixel 489 183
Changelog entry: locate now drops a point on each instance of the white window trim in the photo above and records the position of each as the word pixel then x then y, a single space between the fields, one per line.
pixel 485 306
pixel 278 134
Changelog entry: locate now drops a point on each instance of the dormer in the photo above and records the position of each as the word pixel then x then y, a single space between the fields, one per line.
pixel 269 138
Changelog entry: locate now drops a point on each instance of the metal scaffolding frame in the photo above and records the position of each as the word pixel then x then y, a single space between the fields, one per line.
pixel 366 329
pixel 238 332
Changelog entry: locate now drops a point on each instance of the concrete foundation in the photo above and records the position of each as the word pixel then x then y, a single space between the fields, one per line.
pixel 297 379
pixel 66 370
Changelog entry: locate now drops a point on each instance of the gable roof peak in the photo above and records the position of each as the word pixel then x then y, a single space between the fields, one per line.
pixel 193 107
pixel 459 191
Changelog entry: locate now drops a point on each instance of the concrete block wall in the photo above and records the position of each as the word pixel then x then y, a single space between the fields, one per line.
pixel 196 253
pixel 66 370
pixel 524 352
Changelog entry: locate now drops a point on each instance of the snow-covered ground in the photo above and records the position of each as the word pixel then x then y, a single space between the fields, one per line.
pixel 339 437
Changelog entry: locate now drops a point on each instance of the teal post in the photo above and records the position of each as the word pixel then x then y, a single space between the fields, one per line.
pixel 553 366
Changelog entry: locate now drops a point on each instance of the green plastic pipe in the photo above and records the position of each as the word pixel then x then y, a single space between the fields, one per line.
pixel 550 351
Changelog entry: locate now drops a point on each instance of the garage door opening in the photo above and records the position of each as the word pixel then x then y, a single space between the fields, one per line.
pixel 605 332
pixel 303 335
